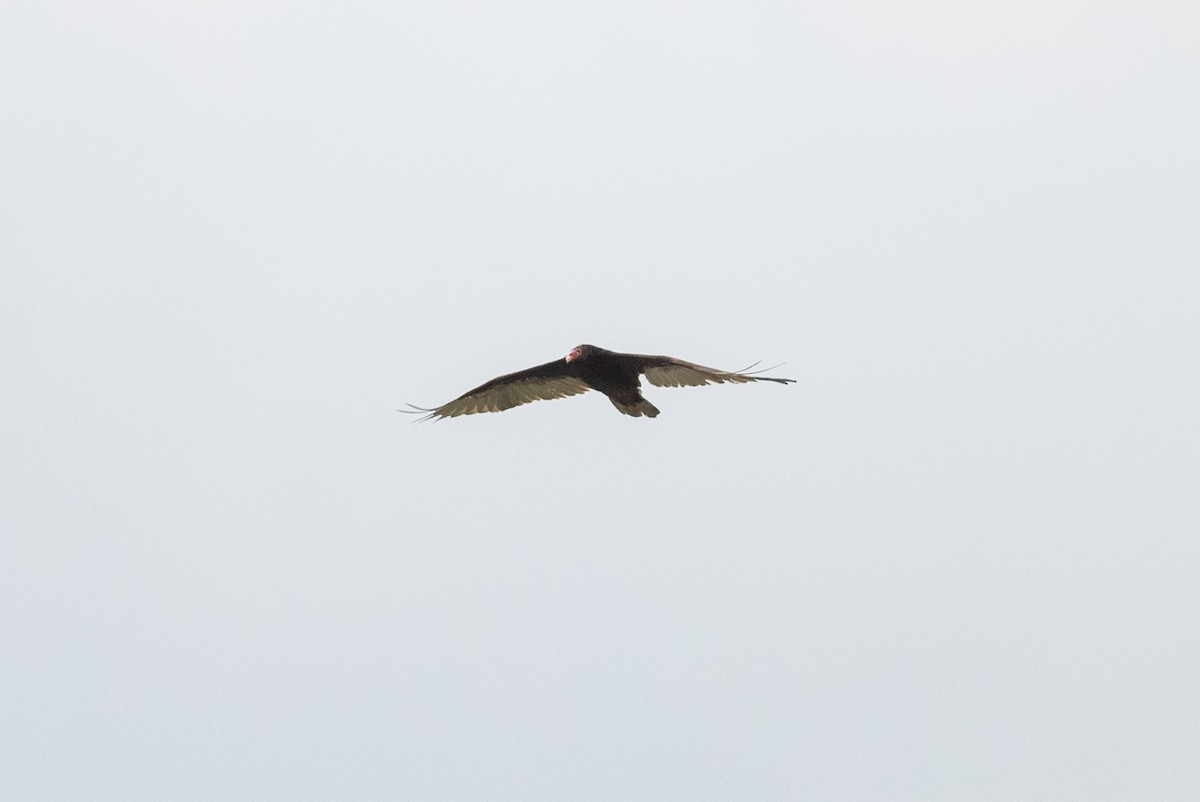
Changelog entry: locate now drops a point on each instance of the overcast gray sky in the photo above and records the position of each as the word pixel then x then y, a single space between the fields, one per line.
pixel 957 560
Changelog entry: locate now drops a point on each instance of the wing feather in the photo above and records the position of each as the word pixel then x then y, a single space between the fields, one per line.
pixel 667 371
pixel 541 383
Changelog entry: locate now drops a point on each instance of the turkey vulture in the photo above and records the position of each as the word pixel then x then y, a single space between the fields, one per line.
pixel 585 368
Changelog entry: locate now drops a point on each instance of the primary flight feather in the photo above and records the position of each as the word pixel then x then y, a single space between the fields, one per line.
pixel 587 367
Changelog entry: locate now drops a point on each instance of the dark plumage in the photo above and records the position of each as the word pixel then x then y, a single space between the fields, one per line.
pixel 588 367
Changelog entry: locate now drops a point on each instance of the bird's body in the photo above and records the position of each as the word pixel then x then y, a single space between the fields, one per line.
pixel 617 376
pixel 588 367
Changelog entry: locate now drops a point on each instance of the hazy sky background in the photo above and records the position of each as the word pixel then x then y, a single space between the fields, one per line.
pixel 958 560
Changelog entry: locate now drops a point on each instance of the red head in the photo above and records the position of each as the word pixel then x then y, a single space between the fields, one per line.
pixel 578 352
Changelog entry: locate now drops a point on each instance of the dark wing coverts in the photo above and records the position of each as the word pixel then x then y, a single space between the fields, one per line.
pixel 540 383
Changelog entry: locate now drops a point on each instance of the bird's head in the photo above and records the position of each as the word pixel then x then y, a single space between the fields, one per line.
pixel 579 352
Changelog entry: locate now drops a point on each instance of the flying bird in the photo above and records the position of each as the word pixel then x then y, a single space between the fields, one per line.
pixel 587 367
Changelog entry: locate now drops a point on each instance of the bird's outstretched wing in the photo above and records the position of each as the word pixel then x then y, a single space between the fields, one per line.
pixel 667 371
pixel 543 382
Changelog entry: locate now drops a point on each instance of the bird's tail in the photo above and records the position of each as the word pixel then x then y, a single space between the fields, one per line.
pixel 637 409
